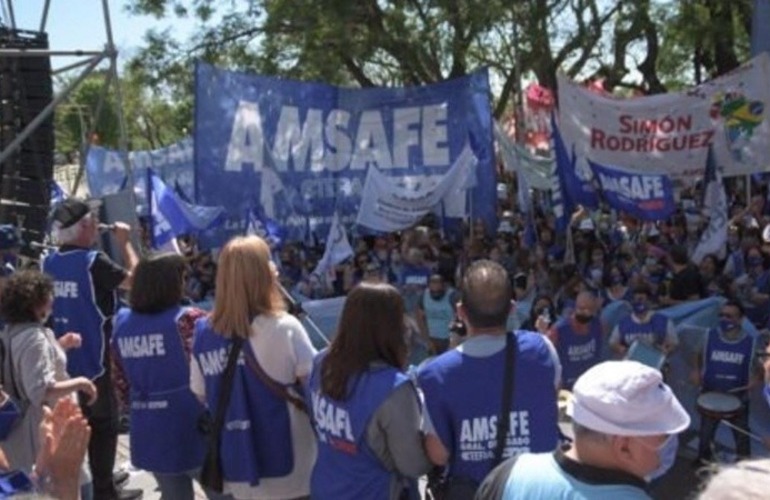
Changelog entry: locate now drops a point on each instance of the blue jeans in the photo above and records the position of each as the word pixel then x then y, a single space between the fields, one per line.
pixel 180 486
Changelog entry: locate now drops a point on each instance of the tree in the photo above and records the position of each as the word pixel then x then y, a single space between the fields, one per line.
pixel 77 116
pixel 152 121
pixel 646 45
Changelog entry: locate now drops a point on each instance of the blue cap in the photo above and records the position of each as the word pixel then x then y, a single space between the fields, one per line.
pixel 9 237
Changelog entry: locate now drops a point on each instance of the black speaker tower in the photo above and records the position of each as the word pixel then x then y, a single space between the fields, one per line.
pixel 26 88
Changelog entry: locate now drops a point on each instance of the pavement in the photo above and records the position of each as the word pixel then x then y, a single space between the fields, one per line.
pixel 140 479
pixel 682 482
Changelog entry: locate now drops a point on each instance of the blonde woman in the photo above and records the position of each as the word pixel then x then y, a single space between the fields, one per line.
pixel 267 448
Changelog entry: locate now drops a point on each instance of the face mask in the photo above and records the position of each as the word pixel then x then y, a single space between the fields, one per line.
pixel 649 262
pixel 616 279
pixel 639 307
pixel 726 325
pixel 596 275
pixel 666 457
pixel 437 295
pixel 755 261
pixel 583 318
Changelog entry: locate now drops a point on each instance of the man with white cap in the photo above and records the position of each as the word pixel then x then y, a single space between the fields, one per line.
pixel 86 281
pixel 625 420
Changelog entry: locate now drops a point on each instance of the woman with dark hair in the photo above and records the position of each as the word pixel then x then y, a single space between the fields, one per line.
pixel 35 365
pixel 542 307
pixel 615 284
pixel 152 344
pixel 365 410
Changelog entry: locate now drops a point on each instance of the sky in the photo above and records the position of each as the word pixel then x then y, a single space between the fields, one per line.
pixel 79 24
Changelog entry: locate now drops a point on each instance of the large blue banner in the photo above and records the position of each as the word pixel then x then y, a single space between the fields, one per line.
pixel 647 197
pixel 106 170
pixel 301 150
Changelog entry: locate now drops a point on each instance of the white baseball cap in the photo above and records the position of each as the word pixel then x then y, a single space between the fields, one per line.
pixel 626 398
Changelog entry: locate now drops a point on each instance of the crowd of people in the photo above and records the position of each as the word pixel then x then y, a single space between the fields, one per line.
pixel 424 374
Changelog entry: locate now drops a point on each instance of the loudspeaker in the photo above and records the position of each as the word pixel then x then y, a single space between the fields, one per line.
pixel 26 88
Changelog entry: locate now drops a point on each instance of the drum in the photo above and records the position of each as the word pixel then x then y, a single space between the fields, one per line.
pixel 647 355
pixel 719 405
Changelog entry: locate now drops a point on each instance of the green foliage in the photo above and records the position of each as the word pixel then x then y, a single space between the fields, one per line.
pixel 647 45
pixel 152 119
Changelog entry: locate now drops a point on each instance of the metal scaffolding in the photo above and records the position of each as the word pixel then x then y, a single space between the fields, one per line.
pixel 91 59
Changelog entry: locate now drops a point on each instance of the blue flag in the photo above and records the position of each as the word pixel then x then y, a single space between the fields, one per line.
pixel 171 217
pixel 647 196
pixel 562 204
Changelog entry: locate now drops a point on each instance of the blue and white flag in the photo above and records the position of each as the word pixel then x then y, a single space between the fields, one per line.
pixel 577 187
pixel 171 217
pixel 714 237
pixel 337 249
pixel 264 227
pixel 58 194
pixel 304 149
pixel 647 196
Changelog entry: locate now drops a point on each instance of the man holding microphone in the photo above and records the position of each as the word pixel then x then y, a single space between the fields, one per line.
pixel 86 281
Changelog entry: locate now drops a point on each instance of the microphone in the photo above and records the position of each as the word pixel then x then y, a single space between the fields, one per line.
pixel 103 228
pixel 42 246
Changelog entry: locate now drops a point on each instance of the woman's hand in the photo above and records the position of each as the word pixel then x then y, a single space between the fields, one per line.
pixel 70 340
pixel 64 436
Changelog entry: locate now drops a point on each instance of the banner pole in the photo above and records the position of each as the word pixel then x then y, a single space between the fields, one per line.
pixel 748 191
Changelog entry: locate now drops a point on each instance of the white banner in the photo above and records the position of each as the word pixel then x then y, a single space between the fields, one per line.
pixel 537 170
pixel 337 248
pixel 388 206
pixel 671 133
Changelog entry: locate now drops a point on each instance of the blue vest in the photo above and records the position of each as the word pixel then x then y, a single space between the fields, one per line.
pixel 438 314
pixel 463 399
pixel 726 365
pixel 346 467
pixel 75 310
pixel 414 279
pixel 164 412
pixel 577 352
pixel 256 437
pixel 652 333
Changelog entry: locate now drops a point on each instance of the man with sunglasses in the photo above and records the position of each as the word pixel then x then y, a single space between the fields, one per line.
pixel 725 365
pixel 625 421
